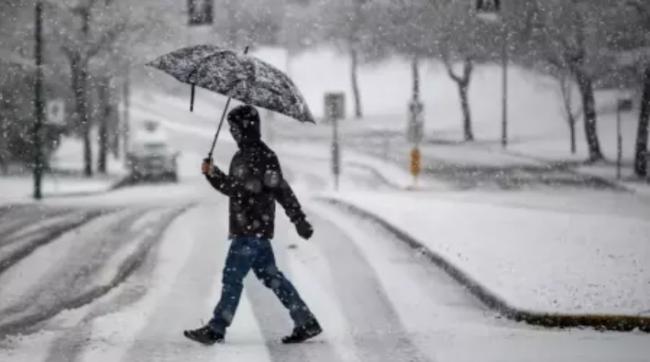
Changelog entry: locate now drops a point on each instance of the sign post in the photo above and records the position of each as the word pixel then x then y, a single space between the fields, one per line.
pixel 38 100
pixel 489 10
pixel 335 111
pixel 414 134
pixel 623 105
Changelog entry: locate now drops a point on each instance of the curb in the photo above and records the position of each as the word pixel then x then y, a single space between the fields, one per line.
pixel 621 323
pixel 118 183
pixel 614 184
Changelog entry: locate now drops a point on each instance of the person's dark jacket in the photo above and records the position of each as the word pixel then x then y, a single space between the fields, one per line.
pixel 254 182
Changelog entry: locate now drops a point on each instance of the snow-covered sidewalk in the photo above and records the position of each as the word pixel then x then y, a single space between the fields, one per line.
pixel 18 189
pixel 547 261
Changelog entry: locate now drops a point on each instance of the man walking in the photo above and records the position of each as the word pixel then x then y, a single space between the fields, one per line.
pixel 253 184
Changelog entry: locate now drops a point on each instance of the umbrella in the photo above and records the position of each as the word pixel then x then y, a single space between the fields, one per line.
pixel 235 75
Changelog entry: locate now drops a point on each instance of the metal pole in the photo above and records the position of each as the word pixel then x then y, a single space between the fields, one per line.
pixel 619 143
pixel 335 152
pixel 504 94
pixel 38 101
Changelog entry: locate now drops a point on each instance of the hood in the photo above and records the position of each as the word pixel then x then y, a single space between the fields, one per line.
pixel 244 124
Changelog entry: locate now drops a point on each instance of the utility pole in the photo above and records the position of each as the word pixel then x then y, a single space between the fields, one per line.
pixel 84 12
pixel 493 11
pixel 504 89
pixel 38 100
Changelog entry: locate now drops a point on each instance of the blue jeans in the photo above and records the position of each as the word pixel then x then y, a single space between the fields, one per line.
pixel 246 253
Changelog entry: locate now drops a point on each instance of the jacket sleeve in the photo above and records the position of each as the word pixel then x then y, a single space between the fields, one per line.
pixel 282 192
pixel 223 183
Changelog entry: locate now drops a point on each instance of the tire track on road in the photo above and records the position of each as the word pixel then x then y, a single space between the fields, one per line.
pixel 87 271
pixel 16 218
pixel 40 237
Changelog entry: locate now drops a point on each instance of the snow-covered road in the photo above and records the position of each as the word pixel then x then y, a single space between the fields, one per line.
pixel 377 299
pixel 119 276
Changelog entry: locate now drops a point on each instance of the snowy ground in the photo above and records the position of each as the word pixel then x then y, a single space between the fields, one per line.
pixel 117 276
pixel 377 299
pixel 555 261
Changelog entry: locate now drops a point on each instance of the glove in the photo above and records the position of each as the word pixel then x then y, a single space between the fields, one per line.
pixel 206 167
pixel 304 229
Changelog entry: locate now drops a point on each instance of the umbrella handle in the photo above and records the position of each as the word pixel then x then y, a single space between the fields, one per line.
pixel 223 116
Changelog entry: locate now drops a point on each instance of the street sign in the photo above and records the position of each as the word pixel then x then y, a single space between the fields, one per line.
pixel 200 12
pixel 55 112
pixel 335 105
pixel 415 130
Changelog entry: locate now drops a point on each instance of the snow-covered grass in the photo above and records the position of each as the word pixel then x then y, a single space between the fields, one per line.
pixel 68 158
pixel 540 260
pixel 18 189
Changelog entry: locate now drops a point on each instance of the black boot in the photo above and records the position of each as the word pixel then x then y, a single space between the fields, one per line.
pixel 302 333
pixel 204 335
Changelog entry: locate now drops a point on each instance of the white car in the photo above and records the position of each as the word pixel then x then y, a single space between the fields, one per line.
pixel 150 157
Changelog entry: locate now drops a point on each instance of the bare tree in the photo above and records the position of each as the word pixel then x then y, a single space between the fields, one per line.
pixel 569 36
pixel 80 45
pixel 566 86
pixel 104 113
pixel 408 32
pixel 465 39
pixel 636 31
pixel 463 81
pixel 349 25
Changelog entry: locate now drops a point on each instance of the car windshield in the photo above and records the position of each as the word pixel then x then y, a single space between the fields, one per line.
pixel 154 149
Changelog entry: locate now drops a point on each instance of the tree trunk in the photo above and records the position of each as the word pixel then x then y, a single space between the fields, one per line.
pixel 103 93
pixel 467 117
pixel 79 70
pixel 566 89
pixel 4 153
pixel 572 131
pixel 126 121
pixel 463 86
pixel 355 83
pixel 585 85
pixel 641 149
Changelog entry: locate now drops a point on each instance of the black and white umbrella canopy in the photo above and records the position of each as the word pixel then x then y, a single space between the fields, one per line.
pixel 237 75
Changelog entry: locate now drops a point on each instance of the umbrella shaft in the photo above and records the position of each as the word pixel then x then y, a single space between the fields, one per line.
pixel 216 136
